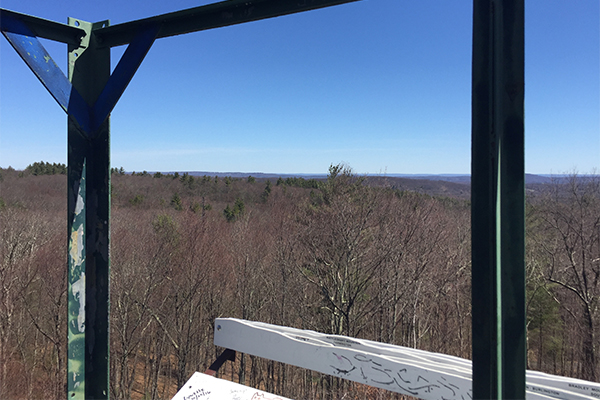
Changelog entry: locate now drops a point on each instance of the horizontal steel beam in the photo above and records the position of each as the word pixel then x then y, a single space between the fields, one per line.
pixel 210 16
pixel 41 28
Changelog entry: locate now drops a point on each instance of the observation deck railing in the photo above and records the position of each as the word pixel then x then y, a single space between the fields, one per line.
pixel 418 373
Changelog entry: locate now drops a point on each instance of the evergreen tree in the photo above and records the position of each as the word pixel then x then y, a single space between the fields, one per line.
pixel 137 200
pixel 176 202
pixel 228 213
pixel 232 213
pixel 265 194
pixel 45 168
pixel 239 207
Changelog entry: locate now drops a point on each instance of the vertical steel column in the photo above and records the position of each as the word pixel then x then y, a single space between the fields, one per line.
pixel 88 224
pixel 498 200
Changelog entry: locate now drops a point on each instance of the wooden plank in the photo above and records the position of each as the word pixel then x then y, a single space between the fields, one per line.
pixel 399 369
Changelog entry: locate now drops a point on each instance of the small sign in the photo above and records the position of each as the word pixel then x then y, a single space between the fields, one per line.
pixel 205 387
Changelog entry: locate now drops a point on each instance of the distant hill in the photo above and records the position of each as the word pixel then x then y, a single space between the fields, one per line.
pixel 457 178
pixel 431 187
pixel 448 185
pixel 466 179
pixel 257 175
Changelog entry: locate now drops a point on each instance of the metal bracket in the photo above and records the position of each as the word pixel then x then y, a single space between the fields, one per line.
pixel 227 355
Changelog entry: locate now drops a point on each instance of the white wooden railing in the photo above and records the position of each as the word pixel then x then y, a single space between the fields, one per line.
pixel 418 373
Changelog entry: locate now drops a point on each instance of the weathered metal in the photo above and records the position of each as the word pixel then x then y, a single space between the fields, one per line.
pixel 89 233
pixel 498 200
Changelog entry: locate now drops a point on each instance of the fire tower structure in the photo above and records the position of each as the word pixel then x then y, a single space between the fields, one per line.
pixel 89 92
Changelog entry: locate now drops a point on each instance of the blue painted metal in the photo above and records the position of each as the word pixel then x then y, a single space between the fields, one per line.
pixel 41 28
pixel 52 77
pixel 123 73
pixel 43 66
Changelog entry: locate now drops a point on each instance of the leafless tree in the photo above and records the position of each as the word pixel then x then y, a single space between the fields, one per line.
pixel 569 236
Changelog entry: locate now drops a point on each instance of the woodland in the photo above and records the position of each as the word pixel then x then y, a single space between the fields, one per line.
pixel 340 255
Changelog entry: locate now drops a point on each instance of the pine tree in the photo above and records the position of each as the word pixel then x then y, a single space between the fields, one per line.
pixel 265 194
pixel 176 202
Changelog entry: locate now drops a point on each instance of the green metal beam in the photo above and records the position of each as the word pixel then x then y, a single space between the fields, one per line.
pixel 210 16
pixel 88 228
pixel 498 200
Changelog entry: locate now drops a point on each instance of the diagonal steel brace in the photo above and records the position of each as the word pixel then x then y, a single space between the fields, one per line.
pixel 43 66
pixel 37 58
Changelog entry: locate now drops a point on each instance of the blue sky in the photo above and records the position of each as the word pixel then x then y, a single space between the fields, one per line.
pixel 382 85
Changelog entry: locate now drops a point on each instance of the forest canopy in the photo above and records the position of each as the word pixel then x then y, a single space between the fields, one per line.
pixel 342 255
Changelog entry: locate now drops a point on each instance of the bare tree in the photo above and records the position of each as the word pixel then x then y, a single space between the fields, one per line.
pixel 343 254
pixel 569 234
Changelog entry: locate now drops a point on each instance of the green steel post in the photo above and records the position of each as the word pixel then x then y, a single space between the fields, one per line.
pixel 88 224
pixel 498 200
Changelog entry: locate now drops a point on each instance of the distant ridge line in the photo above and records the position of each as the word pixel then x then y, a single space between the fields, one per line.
pixel 456 178
pixel 464 179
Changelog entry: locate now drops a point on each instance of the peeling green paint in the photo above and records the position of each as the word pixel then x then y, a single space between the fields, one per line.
pixel 78 288
pixel 89 215
pixel 76 296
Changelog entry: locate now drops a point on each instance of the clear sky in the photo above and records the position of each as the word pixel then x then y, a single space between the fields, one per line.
pixel 382 85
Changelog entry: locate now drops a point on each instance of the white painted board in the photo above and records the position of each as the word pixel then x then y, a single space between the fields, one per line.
pixel 206 387
pixel 426 375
